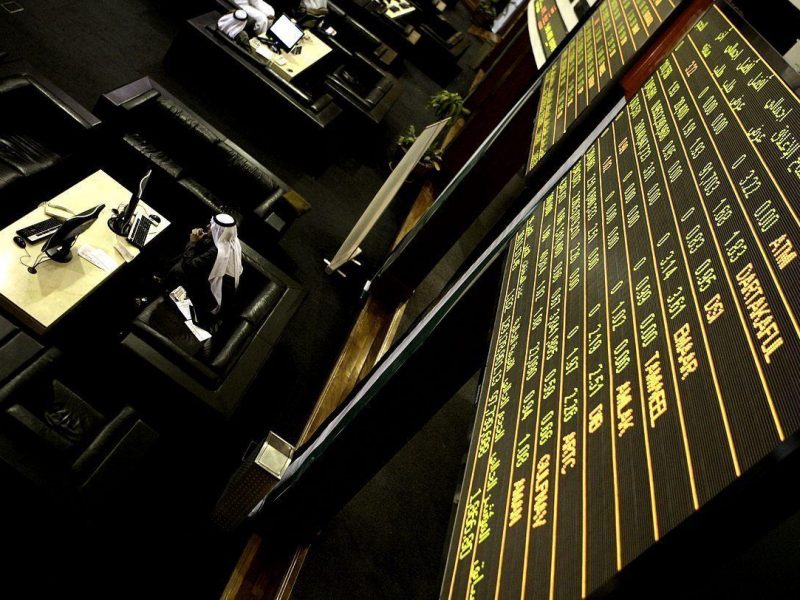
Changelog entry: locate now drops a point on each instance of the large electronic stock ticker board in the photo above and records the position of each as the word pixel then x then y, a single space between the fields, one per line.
pixel 605 43
pixel 647 341
pixel 549 22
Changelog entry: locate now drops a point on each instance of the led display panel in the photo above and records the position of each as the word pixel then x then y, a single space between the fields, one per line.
pixel 605 43
pixel 646 351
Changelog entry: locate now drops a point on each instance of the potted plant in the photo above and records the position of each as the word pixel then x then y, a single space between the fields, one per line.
pixel 448 104
pixel 430 161
pixel 485 15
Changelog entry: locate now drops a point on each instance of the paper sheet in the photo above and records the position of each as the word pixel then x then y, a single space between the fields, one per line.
pixel 201 334
pixel 97 257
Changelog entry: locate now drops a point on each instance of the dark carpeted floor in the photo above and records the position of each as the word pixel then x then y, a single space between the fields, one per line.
pixel 163 545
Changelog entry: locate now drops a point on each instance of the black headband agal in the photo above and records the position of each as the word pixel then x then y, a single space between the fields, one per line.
pixel 222 223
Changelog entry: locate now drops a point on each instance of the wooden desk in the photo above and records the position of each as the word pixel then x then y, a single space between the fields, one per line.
pixel 41 299
pixel 313 50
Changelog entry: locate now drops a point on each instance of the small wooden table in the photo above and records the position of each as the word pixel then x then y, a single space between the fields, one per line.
pixel 41 299
pixel 394 10
pixel 293 64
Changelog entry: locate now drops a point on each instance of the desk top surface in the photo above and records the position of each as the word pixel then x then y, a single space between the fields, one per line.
pixel 394 8
pixel 293 64
pixel 41 299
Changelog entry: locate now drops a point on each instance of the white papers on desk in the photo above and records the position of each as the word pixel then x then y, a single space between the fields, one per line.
pixel 97 257
pixel 59 212
pixel 263 49
pixel 119 246
pixel 201 334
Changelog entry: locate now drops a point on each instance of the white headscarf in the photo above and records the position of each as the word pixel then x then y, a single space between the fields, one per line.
pixel 315 7
pixel 229 255
pixel 262 14
pixel 233 23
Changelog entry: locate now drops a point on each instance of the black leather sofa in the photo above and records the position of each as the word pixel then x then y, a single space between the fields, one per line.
pixel 219 370
pixel 54 438
pixel 43 134
pixel 150 126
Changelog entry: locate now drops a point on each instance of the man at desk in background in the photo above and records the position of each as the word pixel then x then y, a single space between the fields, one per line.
pixel 211 254
pixel 257 18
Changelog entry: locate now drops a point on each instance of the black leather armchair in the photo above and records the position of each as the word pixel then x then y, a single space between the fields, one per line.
pixel 353 35
pixel 59 441
pixel 208 168
pixel 428 37
pixel 43 131
pixel 364 86
pixel 219 370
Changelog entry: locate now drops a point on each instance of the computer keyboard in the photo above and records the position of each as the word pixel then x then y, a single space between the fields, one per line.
pixel 139 231
pixel 39 231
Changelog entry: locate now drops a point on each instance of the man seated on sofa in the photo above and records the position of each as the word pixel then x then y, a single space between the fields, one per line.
pixel 211 255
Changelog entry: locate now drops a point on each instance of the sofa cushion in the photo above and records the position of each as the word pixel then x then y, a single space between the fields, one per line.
pixel 153 153
pixel 25 154
pixel 172 130
pixel 37 429
pixel 224 169
pixel 70 416
pixel 164 118
pixel 56 415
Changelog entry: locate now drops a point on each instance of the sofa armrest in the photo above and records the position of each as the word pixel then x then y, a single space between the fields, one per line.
pixel 129 96
pixel 239 339
pixel 103 478
pixel 109 435
pixel 36 370
pixel 280 210
pixel 265 208
pixel 72 109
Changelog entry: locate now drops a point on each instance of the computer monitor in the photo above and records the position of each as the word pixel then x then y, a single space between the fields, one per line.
pixel 60 243
pixel 121 223
pixel 286 32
